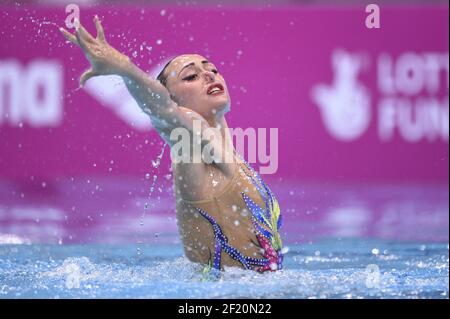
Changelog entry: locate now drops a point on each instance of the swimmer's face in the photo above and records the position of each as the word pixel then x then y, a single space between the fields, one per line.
pixel 196 83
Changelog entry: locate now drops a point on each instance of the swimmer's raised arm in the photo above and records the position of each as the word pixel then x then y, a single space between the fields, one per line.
pixel 150 94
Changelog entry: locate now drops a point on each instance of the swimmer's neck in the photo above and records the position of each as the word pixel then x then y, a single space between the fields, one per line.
pixel 217 121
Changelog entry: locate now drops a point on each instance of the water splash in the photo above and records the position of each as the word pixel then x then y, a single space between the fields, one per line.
pixel 342 270
pixel 156 168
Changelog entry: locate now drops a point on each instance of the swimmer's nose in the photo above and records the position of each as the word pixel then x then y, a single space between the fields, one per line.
pixel 209 76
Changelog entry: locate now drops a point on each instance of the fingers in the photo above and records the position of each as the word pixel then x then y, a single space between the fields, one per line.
pixel 86 76
pixel 81 42
pixel 99 27
pixel 82 37
pixel 84 33
pixel 69 36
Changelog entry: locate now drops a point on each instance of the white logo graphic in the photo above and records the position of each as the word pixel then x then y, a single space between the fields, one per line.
pixel 111 92
pixel 31 94
pixel 345 104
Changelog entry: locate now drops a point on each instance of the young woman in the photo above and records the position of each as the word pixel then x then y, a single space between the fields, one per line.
pixel 226 214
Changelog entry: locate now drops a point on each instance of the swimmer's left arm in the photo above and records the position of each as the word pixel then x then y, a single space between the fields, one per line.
pixel 151 95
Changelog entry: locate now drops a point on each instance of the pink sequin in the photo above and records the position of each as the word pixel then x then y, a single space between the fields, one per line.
pixel 269 253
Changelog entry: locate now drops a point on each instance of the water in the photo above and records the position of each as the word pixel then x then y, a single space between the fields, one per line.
pixel 340 270
pixel 87 238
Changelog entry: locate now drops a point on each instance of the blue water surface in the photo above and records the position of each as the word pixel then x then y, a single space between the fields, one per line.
pixel 332 268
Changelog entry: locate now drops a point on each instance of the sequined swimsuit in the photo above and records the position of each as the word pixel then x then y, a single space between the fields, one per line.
pixel 214 243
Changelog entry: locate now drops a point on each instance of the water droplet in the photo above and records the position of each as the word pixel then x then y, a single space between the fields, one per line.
pixel 155 164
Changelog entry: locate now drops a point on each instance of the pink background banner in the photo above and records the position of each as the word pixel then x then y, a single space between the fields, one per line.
pixel 350 103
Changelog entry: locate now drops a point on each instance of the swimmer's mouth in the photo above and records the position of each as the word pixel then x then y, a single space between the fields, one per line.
pixel 215 89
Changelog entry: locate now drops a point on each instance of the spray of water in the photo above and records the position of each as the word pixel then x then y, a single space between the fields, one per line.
pixel 156 164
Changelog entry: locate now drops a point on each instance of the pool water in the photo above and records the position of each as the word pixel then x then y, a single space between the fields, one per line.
pixel 351 268
pixel 78 239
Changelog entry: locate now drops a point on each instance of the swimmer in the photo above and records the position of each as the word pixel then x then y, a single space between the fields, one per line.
pixel 226 215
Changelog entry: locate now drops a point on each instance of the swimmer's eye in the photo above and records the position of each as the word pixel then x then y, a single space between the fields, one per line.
pixel 193 76
pixel 190 77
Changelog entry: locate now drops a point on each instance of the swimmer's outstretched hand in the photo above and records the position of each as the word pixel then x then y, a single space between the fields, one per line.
pixel 151 96
pixel 104 59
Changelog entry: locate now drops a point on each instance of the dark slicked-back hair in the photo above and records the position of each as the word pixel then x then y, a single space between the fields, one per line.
pixel 162 77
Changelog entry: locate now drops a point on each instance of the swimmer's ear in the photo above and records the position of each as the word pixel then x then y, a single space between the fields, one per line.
pixel 86 76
